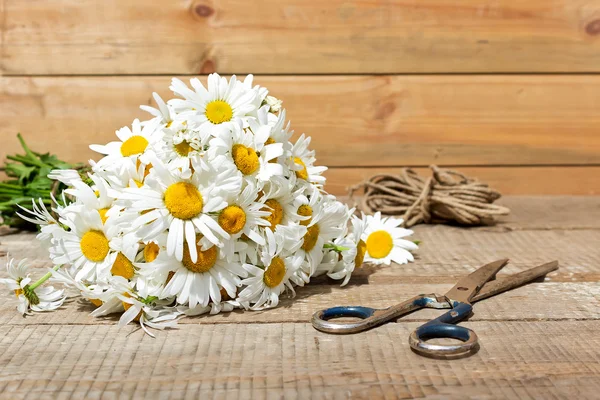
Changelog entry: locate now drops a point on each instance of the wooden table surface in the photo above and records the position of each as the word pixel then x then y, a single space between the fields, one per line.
pixel 538 341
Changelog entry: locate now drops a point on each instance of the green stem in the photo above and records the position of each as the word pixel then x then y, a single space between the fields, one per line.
pixel 44 278
pixel 26 160
pixel 28 151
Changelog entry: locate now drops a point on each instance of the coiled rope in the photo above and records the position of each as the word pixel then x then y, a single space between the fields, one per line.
pixel 447 196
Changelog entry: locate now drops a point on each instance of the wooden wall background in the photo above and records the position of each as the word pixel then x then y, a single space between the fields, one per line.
pixel 505 90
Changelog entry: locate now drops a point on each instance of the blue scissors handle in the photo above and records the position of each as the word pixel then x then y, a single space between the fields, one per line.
pixel 324 320
pixel 444 327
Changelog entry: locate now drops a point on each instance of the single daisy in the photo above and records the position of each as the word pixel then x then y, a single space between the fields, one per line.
pixel 322 229
pixel 247 152
pixel 216 106
pixel 352 249
pixel 183 206
pixel 302 162
pixel 30 299
pixel 183 148
pixel 196 282
pixel 272 277
pixel 384 243
pixel 242 216
pixel 87 244
pixel 132 143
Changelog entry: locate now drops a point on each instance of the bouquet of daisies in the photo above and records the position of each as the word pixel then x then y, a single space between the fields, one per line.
pixel 205 207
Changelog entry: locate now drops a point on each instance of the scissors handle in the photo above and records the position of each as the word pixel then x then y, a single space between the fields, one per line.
pixel 444 327
pixel 369 317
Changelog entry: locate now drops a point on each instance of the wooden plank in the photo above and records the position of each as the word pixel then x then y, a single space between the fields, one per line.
pixel 354 120
pixel 449 252
pixel 550 359
pixel 445 255
pixel 299 36
pixel 551 212
pixel 569 301
pixel 547 180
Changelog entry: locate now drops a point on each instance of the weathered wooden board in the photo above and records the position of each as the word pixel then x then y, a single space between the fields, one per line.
pixel 546 180
pixel 529 303
pixel 538 341
pixel 517 359
pixel 354 120
pixel 299 36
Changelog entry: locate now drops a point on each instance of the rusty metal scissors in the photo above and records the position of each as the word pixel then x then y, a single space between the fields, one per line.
pixel 476 286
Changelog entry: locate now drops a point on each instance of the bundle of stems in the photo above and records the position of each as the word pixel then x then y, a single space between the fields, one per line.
pixel 27 180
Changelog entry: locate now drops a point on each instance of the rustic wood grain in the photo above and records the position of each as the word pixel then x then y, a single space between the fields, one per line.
pixel 517 359
pixel 354 120
pixel 538 341
pixel 547 180
pixel 299 36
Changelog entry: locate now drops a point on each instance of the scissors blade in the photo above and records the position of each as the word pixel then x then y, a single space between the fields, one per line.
pixel 510 282
pixel 470 285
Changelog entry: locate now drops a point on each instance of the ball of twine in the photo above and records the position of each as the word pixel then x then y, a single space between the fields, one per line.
pixel 447 196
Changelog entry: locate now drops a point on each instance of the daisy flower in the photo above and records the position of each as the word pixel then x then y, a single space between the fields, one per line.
pixel 196 282
pixel 183 148
pixel 322 229
pixel 86 246
pixel 302 162
pixel 168 201
pixel 132 143
pixel 267 282
pixel 308 201
pixel 352 249
pixel 384 243
pixel 30 296
pixel 279 200
pixel 216 106
pixel 247 153
pixel 242 216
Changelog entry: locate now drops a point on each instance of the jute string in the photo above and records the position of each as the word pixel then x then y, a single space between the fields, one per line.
pixel 447 196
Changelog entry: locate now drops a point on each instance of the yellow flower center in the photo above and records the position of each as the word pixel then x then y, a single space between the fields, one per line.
pixel 18 292
pixel 134 145
pixel 306 211
pixel 275 273
pixel 183 200
pixel 310 238
pixel 183 148
pixel 102 213
pixel 245 158
pixel 169 124
pixel 379 244
pixel 218 111
pixel 276 212
pixel 127 306
pixel 138 183
pixel 206 259
pixel 96 302
pixel 232 219
pixel 303 173
pixel 94 246
pixel 122 267
pixel 361 248
pixel 151 252
pixel 269 141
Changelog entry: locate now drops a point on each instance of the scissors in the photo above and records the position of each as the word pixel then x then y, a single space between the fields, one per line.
pixel 476 286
